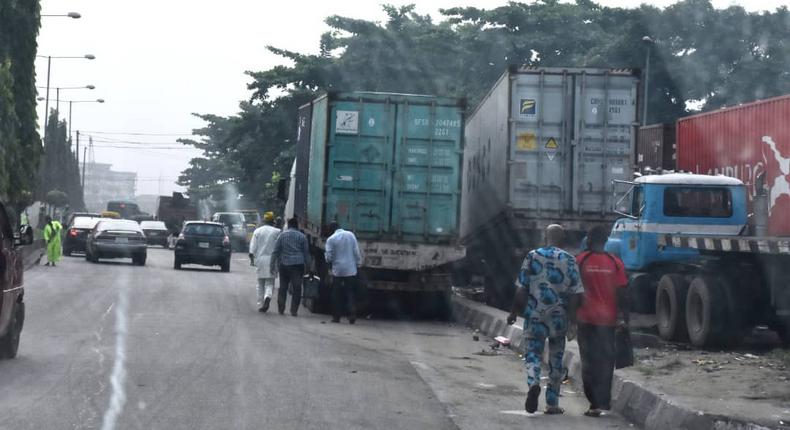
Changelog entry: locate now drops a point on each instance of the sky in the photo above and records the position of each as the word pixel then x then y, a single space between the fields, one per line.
pixel 157 62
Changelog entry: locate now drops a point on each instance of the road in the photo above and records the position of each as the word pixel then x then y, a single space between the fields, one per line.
pixel 111 345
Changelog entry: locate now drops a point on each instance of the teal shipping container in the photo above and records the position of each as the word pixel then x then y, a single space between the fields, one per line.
pixel 387 166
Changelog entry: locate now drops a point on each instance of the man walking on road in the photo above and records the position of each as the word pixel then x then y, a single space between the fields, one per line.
pixel 292 256
pixel 261 249
pixel 605 310
pixel 342 254
pixel 52 230
pixel 548 292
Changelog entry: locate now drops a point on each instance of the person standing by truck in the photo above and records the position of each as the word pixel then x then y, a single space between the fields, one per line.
pixel 605 309
pixel 548 293
pixel 261 249
pixel 52 230
pixel 291 257
pixel 342 254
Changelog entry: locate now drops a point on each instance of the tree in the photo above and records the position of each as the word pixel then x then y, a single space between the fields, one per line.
pixel 21 144
pixel 59 169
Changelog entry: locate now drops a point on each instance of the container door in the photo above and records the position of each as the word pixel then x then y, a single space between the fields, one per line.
pixel 426 189
pixel 304 124
pixel 604 129
pixel 540 144
pixel 316 168
pixel 358 172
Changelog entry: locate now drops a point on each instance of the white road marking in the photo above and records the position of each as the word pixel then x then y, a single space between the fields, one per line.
pixel 521 412
pixel 118 376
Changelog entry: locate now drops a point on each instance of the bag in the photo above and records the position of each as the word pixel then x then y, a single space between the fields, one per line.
pixel 310 287
pixel 623 349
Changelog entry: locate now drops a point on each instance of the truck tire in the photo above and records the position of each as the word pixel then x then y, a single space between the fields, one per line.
pixel 706 312
pixel 177 263
pixel 139 260
pixel 9 344
pixel 782 329
pixel 671 307
pixel 225 266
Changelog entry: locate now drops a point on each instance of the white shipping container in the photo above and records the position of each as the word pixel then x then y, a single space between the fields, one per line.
pixel 546 143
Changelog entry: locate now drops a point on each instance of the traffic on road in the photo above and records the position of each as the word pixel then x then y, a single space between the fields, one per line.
pixel 485 214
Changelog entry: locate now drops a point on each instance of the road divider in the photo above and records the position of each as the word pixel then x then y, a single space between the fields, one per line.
pixel 647 408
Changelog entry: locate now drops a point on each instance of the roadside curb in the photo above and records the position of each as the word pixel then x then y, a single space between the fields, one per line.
pixel 648 409
pixel 31 254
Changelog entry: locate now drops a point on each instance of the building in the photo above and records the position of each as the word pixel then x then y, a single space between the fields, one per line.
pixel 102 184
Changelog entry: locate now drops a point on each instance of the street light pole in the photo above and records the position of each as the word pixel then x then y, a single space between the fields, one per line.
pixel 46 103
pixel 70 102
pixel 649 42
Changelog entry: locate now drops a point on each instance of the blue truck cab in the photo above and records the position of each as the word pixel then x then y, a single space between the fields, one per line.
pixel 677 204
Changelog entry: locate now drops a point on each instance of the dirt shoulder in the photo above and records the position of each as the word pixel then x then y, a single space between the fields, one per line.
pixel 751 383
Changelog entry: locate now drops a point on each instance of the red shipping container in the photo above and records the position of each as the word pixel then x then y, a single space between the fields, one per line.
pixel 743 142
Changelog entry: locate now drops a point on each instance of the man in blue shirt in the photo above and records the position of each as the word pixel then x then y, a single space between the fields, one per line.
pixel 290 257
pixel 548 292
pixel 343 256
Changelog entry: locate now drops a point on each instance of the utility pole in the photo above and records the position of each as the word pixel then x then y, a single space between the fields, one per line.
pixel 77 152
pixel 46 102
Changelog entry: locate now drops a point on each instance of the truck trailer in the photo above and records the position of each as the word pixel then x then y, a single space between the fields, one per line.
pixel 387 167
pixel 542 147
pixel 709 251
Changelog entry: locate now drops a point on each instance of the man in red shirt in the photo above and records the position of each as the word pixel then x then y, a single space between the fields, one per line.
pixel 605 309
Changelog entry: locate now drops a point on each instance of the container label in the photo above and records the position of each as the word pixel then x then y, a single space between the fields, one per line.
pixel 551 148
pixel 618 170
pixel 526 141
pixel 347 122
pixel 528 107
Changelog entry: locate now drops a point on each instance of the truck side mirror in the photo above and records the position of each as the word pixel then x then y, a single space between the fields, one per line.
pixel 282 189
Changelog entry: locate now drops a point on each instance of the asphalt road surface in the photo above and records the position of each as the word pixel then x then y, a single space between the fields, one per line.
pixel 112 345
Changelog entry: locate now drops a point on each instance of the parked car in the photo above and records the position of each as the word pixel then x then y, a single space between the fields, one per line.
pixel 156 233
pixel 205 243
pixel 77 232
pixel 116 239
pixel 253 220
pixel 12 305
pixel 236 225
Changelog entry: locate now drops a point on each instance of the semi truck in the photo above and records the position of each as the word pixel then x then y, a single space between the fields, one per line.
pixel 387 167
pixel 174 210
pixel 542 147
pixel 709 251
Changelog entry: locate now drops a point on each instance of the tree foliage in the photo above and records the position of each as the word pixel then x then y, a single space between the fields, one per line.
pixel 715 57
pixel 59 169
pixel 20 145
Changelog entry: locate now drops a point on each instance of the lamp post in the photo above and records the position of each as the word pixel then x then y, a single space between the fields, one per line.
pixel 649 43
pixel 49 69
pixel 73 15
pixel 71 103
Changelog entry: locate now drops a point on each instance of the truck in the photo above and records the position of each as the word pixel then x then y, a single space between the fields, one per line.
pixel 709 251
pixel 12 292
pixel 542 147
pixel 174 210
pixel 386 166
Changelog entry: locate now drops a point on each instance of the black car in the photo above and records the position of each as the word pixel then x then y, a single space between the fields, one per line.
pixel 12 291
pixel 205 243
pixel 116 238
pixel 156 232
pixel 77 232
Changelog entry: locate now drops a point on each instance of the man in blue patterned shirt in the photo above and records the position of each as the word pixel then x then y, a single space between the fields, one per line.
pixel 548 292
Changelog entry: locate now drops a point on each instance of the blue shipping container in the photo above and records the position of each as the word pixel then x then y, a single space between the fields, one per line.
pixel 387 166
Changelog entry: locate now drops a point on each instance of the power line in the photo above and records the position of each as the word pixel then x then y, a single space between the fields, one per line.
pixel 135 133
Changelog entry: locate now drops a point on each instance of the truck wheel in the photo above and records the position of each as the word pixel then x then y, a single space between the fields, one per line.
pixel 444 309
pixel 782 329
pixel 225 266
pixel 9 344
pixel 139 260
pixel 177 263
pixel 671 307
pixel 706 312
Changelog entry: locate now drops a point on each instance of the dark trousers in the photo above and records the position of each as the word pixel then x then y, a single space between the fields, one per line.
pixel 290 275
pixel 344 297
pixel 597 351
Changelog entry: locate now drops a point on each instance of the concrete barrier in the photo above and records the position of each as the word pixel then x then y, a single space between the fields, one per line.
pixel 642 406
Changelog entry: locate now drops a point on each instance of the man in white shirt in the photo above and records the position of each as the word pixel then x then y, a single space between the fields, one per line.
pixel 343 256
pixel 261 249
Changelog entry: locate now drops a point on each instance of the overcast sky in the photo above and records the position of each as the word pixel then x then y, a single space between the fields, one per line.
pixel 157 61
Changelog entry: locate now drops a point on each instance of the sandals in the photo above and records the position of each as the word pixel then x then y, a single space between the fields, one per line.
pixel 594 413
pixel 554 410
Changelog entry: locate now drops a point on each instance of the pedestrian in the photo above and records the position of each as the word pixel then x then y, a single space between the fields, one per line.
pixel 52 230
pixel 291 257
pixel 548 292
pixel 261 249
pixel 343 256
pixel 605 310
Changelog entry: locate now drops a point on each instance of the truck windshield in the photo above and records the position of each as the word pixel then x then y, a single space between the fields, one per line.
pixel 697 202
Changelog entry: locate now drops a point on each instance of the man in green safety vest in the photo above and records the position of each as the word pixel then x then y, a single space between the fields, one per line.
pixel 52 230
